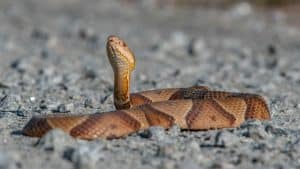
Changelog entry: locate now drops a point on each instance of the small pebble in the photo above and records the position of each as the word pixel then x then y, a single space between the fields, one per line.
pixel 169 151
pixel 69 107
pixel 43 104
pixel 19 65
pixel 174 131
pixel 61 108
pixel 196 47
pixel 188 164
pixel 272 50
pixel 275 131
pixel 168 164
pixel 154 133
pixel 179 39
pixel 194 146
pixel 86 33
pixel 55 140
pixel 228 139
pixel 39 34
pixel 89 73
pixel 86 156
pixel 241 10
pixel 55 107
pixel 254 130
pixel 44 54
pixel 32 99
pixel 6 161
pixel 88 103
pixel 221 165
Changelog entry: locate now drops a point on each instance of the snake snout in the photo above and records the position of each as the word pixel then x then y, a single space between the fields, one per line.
pixel 113 39
pixel 115 42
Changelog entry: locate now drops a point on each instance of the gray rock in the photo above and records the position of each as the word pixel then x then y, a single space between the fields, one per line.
pixel 227 139
pixel 219 165
pixel 174 131
pixel 7 162
pixel 254 130
pixel 276 131
pixel 70 107
pixel 53 106
pixel 20 65
pixel 220 139
pixel 197 47
pixel 169 151
pixel 59 108
pixel 188 164
pixel 55 140
pixel 194 146
pixel 179 39
pixel 39 34
pixel 167 164
pixel 155 133
pixel 86 156
pixel 241 10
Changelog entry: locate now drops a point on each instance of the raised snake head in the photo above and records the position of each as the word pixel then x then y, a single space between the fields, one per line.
pixel 119 54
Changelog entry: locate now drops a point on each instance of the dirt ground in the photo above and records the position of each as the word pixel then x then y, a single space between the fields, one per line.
pixel 53 59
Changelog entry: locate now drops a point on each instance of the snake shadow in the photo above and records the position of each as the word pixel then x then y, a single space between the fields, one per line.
pixel 16 133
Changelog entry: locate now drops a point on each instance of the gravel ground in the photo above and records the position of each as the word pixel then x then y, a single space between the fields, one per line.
pixel 53 60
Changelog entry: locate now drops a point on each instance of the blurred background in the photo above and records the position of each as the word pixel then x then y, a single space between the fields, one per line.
pixel 53 60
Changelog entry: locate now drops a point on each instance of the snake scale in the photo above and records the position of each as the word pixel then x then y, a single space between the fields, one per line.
pixel 194 108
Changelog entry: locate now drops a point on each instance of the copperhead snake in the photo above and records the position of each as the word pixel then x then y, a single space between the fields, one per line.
pixel 194 108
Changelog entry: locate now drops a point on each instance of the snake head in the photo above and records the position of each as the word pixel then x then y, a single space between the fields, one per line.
pixel 119 54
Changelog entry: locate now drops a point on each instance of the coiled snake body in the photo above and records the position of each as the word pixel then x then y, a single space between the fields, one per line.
pixel 194 108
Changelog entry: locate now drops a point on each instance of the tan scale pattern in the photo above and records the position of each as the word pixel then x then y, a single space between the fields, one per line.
pixel 137 99
pixel 139 115
pixel 175 108
pixel 65 122
pixel 235 106
pixel 106 125
pixel 207 114
pixel 36 127
pixel 215 94
pixel 158 95
pixel 189 93
pixel 157 118
pixel 194 108
pixel 257 109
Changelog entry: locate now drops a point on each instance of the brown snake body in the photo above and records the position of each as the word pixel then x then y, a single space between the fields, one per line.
pixel 194 108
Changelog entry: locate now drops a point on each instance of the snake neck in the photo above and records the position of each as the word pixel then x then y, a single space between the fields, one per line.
pixel 122 61
pixel 122 90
